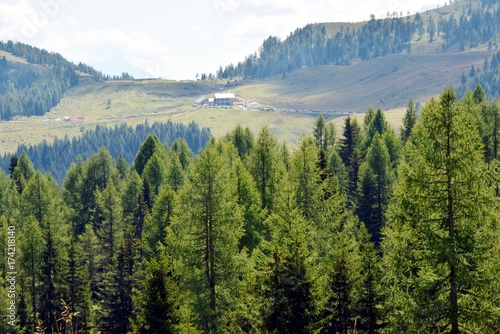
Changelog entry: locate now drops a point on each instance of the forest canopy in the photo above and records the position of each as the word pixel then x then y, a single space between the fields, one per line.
pixel 360 231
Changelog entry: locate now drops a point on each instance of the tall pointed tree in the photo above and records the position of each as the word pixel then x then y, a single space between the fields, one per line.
pixel 204 239
pixel 374 188
pixel 30 246
pixel 409 120
pixel 440 240
pixel 288 299
pixel 117 304
pixel 158 301
pixel 349 152
pixel 242 139
pixel 265 167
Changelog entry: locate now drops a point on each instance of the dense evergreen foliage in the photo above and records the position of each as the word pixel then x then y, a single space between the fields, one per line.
pixel 363 234
pixel 29 90
pixel 478 23
pixel 121 141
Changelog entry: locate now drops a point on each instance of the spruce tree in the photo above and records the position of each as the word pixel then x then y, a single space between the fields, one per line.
pixel 409 120
pixel 117 306
pixel 157 302
pixel 242 139
pixel 374 188
pixel 288 300
pixel 349 152
pixel 30 259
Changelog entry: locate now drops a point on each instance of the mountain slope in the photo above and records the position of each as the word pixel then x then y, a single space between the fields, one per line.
pixel 459 26
pixel 386 82
pixel 32 80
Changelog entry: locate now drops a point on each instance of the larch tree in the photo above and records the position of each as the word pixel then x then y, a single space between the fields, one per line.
pixel 22 172
pixel 305 178
pixel 266 167
pixel 162 214
pixel 204 239
pixel 155 175
pixel 117 306
pixel 440 243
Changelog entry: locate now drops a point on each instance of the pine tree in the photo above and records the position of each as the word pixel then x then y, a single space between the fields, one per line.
pixel 439 244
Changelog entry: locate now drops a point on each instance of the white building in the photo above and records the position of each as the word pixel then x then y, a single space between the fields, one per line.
pixel 224 99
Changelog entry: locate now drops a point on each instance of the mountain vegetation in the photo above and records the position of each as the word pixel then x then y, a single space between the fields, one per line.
pixel 121 141
pixel 32 86
pixel 365 231
pixel 459 26
pixel 488 78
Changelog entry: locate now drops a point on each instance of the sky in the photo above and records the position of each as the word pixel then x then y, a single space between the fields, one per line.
pixel 174 40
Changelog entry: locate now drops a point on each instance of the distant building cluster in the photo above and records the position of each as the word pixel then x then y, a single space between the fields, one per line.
pixel 79 119
pixel 219 99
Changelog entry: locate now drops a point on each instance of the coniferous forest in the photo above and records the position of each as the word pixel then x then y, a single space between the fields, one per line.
pixel 477 23
pixel 121 141
pixel 361 231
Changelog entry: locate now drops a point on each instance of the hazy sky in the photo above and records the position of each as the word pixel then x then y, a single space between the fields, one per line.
pixel 173 40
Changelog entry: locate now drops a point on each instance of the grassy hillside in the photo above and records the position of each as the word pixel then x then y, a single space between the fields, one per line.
pixel 386 82
pixel 135 102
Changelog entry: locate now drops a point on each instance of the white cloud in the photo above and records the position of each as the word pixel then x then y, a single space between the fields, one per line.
pixel 28 24
pixel 212 34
